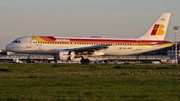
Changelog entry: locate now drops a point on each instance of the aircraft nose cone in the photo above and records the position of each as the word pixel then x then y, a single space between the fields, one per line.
pixel 8 47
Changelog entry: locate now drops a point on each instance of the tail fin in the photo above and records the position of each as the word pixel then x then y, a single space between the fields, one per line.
pixel 158 30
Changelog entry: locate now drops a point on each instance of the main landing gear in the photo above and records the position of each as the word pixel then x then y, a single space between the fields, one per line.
pixel 55 59
pixel 84 61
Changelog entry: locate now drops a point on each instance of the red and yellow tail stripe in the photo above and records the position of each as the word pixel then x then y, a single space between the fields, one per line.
pixel 90 41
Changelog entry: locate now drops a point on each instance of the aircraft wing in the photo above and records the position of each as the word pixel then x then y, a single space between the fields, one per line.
pixel 90 49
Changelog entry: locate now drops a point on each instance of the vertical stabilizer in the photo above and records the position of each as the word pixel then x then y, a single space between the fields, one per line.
pixel 158 30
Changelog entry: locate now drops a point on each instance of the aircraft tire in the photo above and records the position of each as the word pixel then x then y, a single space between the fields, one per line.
pixel 85 61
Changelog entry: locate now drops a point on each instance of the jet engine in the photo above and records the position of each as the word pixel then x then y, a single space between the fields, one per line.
pixel 66 55
pixel 15 60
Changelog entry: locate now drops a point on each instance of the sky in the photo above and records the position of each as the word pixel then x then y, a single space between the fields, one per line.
pixel 67 18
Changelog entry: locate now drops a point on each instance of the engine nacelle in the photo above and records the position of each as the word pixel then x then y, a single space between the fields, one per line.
pixel 15 60
pixel 66 55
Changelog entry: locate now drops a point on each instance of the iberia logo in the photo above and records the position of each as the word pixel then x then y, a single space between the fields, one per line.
pixel 158 29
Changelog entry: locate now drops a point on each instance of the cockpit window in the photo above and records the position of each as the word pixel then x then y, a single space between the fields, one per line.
pixel 16 41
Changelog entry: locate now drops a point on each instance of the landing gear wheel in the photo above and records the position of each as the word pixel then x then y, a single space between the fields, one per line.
pixel 85 61
pixel 105 61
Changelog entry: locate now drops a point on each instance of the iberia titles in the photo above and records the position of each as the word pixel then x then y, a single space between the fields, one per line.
pixel 62 40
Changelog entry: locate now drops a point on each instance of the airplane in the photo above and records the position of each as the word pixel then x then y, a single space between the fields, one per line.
pixel 69 48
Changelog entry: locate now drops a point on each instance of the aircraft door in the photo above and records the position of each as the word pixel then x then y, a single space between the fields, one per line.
pixel 139 45
pixel 28 42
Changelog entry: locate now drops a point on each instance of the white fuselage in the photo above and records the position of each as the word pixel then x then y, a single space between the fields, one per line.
pixel 29 46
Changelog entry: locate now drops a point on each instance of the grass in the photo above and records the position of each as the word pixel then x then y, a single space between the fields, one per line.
pixel 94 82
